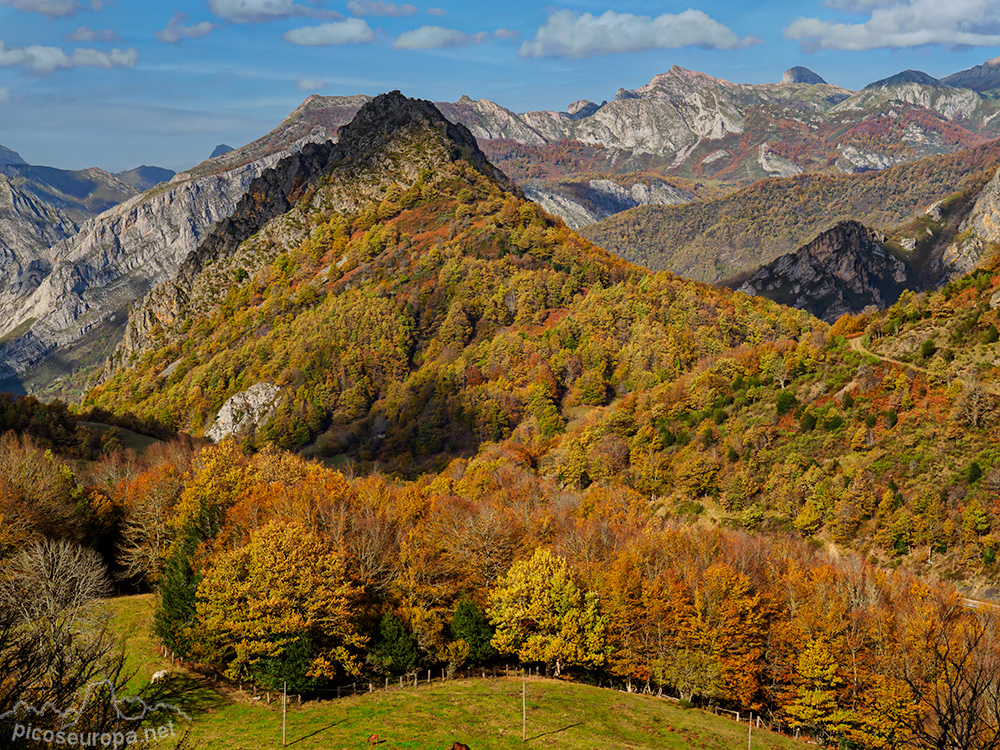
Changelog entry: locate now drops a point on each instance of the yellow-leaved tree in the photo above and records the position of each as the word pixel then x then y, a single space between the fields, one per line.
pixel 542 615
pixel 278 609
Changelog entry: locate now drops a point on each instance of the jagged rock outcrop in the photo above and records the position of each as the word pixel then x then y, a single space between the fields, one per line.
pixel 586 202
pixel 775 165
pixel 244 412
pixel 390 141
pixel 87 282
pixel 800 74
pixel 583 108
pixel 845 269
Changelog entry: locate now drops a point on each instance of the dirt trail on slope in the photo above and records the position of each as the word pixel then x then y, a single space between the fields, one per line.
pixel 857 346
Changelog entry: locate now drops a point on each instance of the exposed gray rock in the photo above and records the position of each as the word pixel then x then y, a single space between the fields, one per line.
pixel 985 77
pixel 845 269
pixel 799 74
pixel 83 286
pixel 580 204
pixel 243 413
pixel 774 165
pixel 979 229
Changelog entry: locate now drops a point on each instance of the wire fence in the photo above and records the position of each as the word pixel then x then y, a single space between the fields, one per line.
pixel 417 678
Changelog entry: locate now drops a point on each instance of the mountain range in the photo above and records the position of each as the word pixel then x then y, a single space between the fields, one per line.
pixel 681 143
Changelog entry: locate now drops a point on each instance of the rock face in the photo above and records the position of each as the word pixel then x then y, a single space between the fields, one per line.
pixel 799 74
pixel 585 202
pixel 914 88
pixel 845 269
pixel 85 284
pixel 391 140
pixel 243 413
pixel 978 233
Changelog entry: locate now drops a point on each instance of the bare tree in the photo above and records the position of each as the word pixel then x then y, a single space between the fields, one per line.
pixel 951 664
pixel 53 579
pixel 61 663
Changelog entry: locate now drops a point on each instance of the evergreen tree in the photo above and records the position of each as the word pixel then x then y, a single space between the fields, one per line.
pixel 470 625
pixel 396 651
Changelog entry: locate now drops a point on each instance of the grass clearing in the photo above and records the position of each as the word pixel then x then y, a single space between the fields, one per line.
pixel 483 713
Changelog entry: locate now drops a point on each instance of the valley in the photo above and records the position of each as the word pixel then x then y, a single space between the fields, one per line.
pixel 690 393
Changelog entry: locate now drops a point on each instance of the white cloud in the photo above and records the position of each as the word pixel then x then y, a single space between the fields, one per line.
pixel 48 59
pixel 87 34
pixel 310 84
pixel 566 34
pixel 351 31
pixel 177 29
pixel 49 8
pixel 4 94
pixel 910 23
pixel 380 8
pixel 435 11
pixel 436 37
pixel 506 34
pixel 255 11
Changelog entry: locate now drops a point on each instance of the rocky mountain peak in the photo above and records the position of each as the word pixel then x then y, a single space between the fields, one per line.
pixel 800 74
pixel 7 156
pixel 907 76
pixel 844 269
pixel 393 115
pixel 985 77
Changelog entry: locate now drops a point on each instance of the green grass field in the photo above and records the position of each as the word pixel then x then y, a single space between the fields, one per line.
pixel 483 713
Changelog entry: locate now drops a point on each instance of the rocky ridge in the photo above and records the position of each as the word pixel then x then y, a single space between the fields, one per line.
pixel 589 201
pixel 390 141
pixel 844 270
pixel 85 284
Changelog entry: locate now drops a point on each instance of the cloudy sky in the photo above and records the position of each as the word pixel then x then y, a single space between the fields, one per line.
pixel 118 83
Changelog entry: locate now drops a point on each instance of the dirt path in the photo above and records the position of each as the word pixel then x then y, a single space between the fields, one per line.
pixel 857 346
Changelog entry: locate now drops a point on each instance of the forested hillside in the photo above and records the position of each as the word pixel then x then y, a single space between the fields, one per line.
pixel 719 238
pixel 532 450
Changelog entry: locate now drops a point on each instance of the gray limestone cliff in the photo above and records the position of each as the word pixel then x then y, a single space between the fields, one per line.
pixel 844 270
pixel 75 301
pixel 244 412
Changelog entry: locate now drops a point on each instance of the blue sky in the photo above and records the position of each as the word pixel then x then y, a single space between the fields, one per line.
pixel 118 83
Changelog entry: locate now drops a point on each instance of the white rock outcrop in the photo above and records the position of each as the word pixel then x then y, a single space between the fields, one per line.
pixel 244 412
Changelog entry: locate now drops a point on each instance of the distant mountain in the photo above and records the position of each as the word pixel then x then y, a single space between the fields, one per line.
pixel 907 76
pixel 76 305
pixel 985 77
pixel 10 157
pixel 799 74
pixel 80 194
pixel 719 238
pixel 221 149
pixel 143 178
